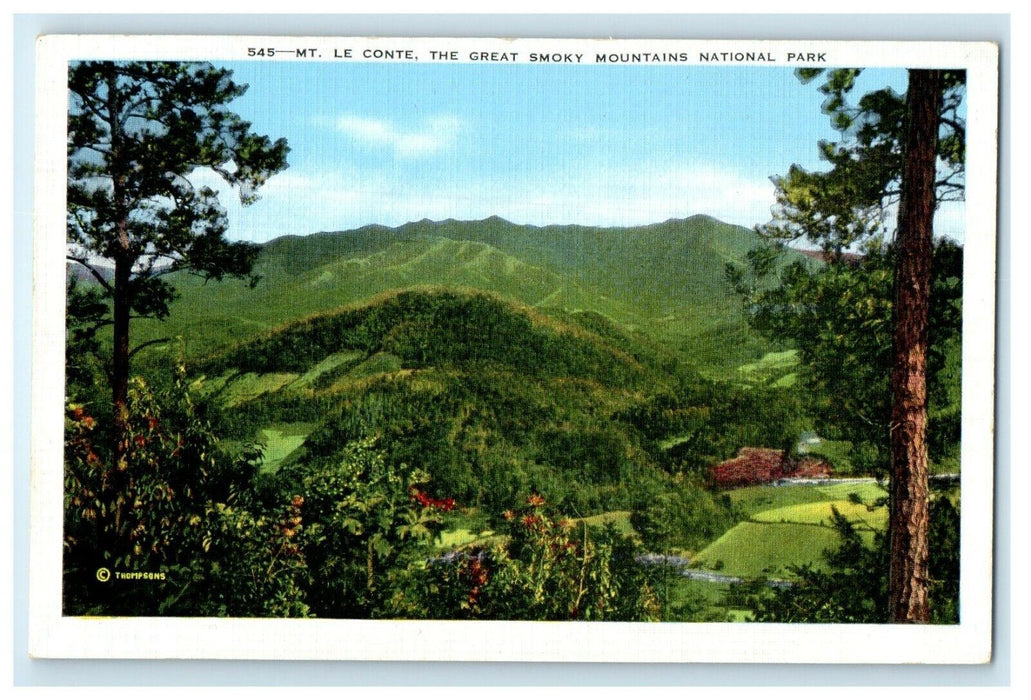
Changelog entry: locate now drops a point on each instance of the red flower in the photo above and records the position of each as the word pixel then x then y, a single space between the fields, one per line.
pixel 531 521
pixel 535 500
pixel 445 504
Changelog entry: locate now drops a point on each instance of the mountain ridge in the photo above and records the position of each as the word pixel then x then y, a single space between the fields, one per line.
pixel 666 280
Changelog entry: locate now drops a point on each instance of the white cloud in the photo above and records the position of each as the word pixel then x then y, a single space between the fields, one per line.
pixel 432 136
pixel 352 195
pixel 295 202
pixel 651 193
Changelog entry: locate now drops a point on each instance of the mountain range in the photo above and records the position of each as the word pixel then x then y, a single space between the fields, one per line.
pixel 665 281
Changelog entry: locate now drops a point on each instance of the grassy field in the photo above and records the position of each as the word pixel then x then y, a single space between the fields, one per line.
pixel 457 538
pixel 789 525
pixel 822 514
pixel 754 499
pixel 620 519
pixel 336 361
pixel 233 389
pixel 867 491
pixel 753 550
pixel 775 369
pixel 281 441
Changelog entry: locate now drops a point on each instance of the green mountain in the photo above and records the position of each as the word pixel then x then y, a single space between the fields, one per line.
pixel 665 281
pixel 490 398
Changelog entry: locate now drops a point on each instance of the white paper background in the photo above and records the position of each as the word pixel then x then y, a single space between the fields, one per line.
pixel 783 28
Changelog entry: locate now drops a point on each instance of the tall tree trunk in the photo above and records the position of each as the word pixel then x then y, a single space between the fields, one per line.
pixel 120 358
pixel 124 261
pixel 909 491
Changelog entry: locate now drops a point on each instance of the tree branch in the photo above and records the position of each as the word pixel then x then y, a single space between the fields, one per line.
pixel 100 278
pixel 958 127
pixel 149 342
pixel 88 104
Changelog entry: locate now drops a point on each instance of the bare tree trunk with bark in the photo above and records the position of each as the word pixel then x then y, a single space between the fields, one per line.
pixel 910 506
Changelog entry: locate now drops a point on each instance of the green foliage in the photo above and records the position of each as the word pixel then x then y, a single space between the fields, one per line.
pixel 839 317
pixel 846 204
pixel 683 516
pixel 750 500
pixel 137 132
pixel 175 504
pixel 544 570
pixel 251 565
pixel 86 312
pixel 853 584
pixel 504 402
pixel 699 421
pixel 629 279
pixel 424 329
pixel 365 525
pixel 839 314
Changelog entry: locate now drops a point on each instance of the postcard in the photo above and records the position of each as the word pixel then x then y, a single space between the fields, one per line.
pixel 513 349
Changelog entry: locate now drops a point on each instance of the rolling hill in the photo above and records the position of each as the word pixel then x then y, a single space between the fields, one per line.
pixel 665 281
pixel 490 398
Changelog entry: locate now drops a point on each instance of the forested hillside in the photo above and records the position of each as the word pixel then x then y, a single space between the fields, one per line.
pixel 665 281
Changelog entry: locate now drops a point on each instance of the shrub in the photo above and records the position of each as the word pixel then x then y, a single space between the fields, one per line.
pixel 682 515
pixel 546 569
pixel 366 523
pixel 172 522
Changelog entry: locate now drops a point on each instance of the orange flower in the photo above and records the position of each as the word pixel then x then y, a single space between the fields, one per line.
pixel 531 521
pixel 535 500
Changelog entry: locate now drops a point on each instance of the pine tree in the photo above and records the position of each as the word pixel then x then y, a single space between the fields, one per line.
pixel 137 133
pixel 905 151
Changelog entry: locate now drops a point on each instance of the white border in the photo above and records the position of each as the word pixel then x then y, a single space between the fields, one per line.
pixel 51 635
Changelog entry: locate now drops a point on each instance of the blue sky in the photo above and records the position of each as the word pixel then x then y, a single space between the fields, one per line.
pixel 597 145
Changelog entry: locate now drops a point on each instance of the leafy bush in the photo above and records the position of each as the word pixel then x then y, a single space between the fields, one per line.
pixel 172 522
pixel 545 569
pixel 681 515
pixel 366 522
